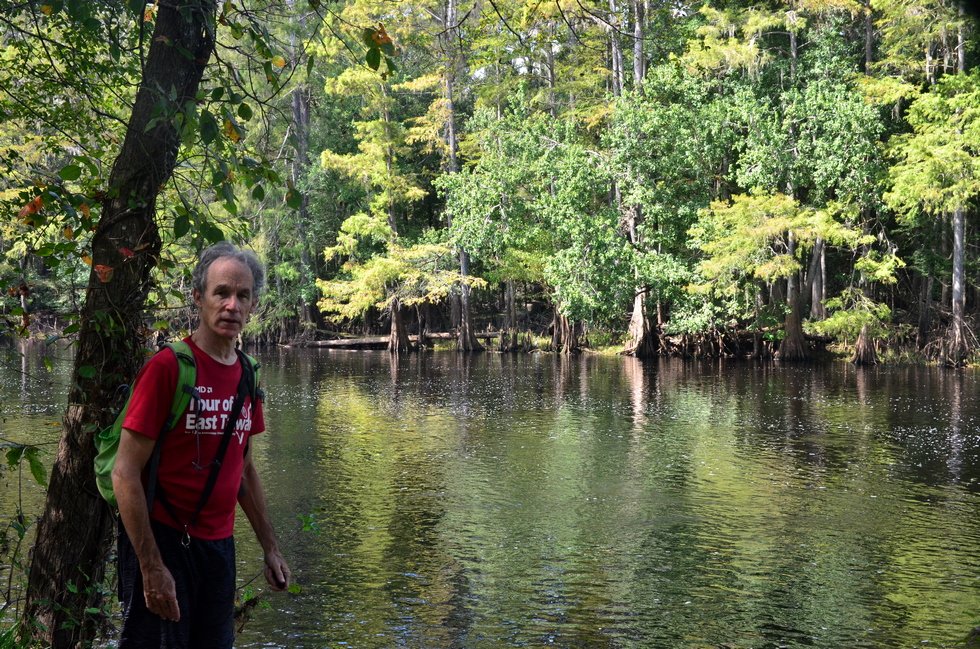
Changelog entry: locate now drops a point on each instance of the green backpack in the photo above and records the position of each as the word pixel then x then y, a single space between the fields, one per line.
pixel 107 440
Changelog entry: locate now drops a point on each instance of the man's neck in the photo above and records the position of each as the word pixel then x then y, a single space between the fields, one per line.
pixel 217 347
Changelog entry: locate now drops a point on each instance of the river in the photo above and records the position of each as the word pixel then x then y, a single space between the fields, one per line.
pixel 538 501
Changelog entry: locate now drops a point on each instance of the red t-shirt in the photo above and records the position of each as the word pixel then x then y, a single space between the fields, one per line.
pixel 194 442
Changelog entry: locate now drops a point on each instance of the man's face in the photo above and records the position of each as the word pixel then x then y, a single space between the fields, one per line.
pixel 228 298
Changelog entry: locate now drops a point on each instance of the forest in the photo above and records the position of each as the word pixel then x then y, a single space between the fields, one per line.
pixel 666 177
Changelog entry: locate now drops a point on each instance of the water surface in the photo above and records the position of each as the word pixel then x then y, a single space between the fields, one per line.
pixel 537 501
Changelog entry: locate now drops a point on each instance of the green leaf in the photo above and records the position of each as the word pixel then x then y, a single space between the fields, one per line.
pixel 209 128
pixel 373 58
pixel 50 340
pixel 93 611
pixel 14 455
pixel 47 364
pixel 70 172
pixel 87 372
pixel 160 325
pixel 295 589
pixel 182 225
pixel 294 199
pixel 258 193
pixel 217 93
pixel 72 328
pixel 245 111
pixel 37 469
pixel 212 232
pixel 228 192
pixel 367 35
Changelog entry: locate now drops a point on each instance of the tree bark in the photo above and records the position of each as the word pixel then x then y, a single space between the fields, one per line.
pixel 398 342
pixel 617 51
pixel 817 294
pixel 864 349
pixel 566 335
pixel 958 342
pixel 639 59
pixel 925 311
pixel 869 34
pixel 75 530
pixel 794 346
pixel 642 340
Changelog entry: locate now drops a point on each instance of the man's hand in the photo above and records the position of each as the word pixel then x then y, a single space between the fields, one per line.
pixel 276 571
pixel 160 592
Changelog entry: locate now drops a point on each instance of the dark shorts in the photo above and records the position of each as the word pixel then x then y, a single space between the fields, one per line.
pixel 204 574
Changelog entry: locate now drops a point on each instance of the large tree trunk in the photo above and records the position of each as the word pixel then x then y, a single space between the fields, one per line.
pixel 641 338
pixel 864 349
pixel 75 530
pixel 398 342
pixel 958 343
pixel 566 335
pixel 794 346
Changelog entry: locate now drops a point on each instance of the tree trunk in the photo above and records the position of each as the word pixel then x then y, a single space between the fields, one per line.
pixel 864 349
pixel 301 163
pixel 869 36
pixel 616 53
pixel 925 311
pixel 75 530
pixel 639 60
pixel 958 343
pixel 760 303
pixel 817 294
pixel 466 342
pixel 565 335
pixel 398 342
pixel 794 346
pixel 642 340
pixel 508 338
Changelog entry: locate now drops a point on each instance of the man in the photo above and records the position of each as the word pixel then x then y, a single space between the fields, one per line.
pixel 177 569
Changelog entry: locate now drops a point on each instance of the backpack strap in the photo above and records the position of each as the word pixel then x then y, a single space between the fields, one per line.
pixel 245 388
pixel 186 390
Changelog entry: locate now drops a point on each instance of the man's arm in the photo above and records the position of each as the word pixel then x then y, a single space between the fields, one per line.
pixel 252 500
pixel 158 584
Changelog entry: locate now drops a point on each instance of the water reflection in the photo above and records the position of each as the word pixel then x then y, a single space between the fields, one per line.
pixel 529 501
pixel 534 501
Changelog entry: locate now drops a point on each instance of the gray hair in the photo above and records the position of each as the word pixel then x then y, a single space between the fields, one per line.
pixel 222 250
